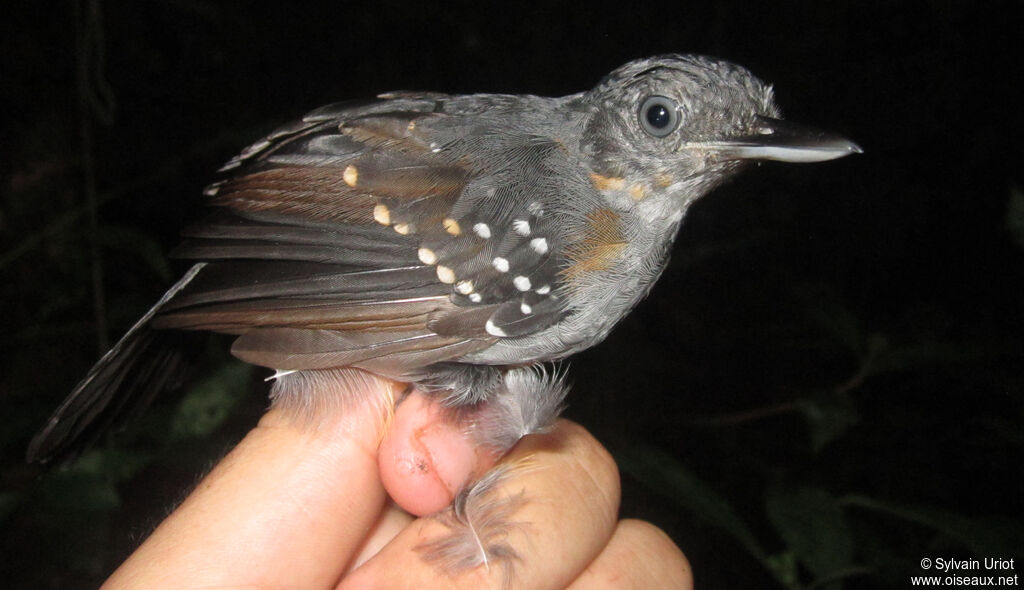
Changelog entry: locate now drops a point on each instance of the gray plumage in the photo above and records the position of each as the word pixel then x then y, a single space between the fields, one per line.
pixel 451 242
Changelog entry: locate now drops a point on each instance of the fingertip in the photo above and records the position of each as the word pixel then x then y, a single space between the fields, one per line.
pixel 646 539
pixel 561 485
pixel 639 555
pixel 426 458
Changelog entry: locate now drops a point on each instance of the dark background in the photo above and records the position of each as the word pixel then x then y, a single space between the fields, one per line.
pixel 826 386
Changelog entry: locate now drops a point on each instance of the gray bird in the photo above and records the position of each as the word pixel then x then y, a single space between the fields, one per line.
pixel 454 243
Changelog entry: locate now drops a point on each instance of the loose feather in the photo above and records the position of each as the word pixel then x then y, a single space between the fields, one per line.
pixel 479 524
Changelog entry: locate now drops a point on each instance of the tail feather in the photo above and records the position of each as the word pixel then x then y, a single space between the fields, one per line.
pixel 121 384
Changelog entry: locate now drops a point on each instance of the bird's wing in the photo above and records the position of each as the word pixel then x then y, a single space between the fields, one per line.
pixel 386 236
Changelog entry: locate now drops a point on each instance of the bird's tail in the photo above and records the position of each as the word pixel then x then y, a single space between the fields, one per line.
pixel 121 384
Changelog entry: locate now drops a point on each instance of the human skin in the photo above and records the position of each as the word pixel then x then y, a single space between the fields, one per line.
pixel 301 506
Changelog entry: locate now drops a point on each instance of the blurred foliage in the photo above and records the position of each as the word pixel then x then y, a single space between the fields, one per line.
pixel 810 523
pixel 1015 216
pixel 826 385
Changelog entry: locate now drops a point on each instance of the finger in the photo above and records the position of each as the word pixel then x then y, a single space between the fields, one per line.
pixel 390 522
pixel 572 495
pixel 288 507
pixel 426 458
pixel 640 556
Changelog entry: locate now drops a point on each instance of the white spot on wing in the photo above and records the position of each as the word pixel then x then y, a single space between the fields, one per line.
pixel 500 264
pixel 350 175
pixel 427 256
pixel 521 227
pixel 539 245
pixel 544 290
pixel 464 287
pixel 382 215
pixel 522 283
pixel 482 230
pixel 475 297
pixel 526 309
pixel 451 226
pixel 445 274
pixel 494 330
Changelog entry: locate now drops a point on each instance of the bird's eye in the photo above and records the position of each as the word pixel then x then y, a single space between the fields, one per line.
pixel 658 115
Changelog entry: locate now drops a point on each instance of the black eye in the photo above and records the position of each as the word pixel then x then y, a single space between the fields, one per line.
pixel 658 115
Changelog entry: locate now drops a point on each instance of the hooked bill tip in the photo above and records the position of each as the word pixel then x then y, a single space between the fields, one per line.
pixel 783 141
pixel 786 141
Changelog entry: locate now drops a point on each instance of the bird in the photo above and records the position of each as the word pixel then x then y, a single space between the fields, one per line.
pixel 455 243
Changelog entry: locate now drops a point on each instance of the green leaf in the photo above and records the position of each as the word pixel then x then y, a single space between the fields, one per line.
pixel 77 491
pixel 812 524
pixel 829 416
pixel 825 309
pixel 209 403
pixel 119 463
pixel 8 502
pixel 784 566
pixel 663 474
pixel 1015 216
pixel 899 358
pixel 985 537
pixel 141 245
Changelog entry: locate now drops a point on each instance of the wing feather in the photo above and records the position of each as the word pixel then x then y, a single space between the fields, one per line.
pixel 301 349
pixel 367 235
pixel 376 231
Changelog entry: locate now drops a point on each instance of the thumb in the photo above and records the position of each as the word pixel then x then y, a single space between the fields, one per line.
pixel 288 507
pixel 426 458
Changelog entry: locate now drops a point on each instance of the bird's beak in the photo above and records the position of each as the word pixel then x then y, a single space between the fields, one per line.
pixel 783 141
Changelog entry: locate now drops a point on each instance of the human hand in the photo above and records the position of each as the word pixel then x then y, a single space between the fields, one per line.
pixel 298 505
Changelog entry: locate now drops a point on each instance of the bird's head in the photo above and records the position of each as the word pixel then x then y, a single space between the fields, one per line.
pixel 686 123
